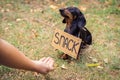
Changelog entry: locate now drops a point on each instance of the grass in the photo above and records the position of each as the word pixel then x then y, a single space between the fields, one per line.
pixel 30 25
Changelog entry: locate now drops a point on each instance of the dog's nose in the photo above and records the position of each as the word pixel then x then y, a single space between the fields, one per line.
pixel 61 10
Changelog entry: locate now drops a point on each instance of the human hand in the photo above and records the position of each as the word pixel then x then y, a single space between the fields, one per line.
pixel 44 65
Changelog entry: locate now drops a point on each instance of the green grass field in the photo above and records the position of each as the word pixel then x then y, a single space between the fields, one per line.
pixel 29 25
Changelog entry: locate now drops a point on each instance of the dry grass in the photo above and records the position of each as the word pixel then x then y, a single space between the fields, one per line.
pixel 29 25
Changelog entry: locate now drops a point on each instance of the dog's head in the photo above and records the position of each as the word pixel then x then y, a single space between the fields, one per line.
pixel 73 13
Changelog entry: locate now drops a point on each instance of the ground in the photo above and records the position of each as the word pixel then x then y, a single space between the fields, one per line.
pixel 29 25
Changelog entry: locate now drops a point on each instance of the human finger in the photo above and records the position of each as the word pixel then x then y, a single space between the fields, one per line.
pixel 51 63
pixel 46 60
pixel 42 59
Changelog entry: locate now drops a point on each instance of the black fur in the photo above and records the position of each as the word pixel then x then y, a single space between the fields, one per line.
pixel 77 27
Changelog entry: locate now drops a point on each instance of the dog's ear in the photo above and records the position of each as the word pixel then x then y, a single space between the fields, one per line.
pixel 81 21
pixel 64 21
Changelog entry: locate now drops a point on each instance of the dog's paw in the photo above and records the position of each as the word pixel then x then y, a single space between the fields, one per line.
pixel 64 56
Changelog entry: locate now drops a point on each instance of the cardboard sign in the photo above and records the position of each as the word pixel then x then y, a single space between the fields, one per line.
pixel 67 43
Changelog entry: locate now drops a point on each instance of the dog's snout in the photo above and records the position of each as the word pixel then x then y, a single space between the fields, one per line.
pixel 61 10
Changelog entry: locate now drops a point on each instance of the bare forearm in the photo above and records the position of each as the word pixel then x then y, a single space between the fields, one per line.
pixel 12 57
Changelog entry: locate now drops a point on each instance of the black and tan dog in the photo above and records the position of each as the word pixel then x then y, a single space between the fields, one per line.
pixel 75 25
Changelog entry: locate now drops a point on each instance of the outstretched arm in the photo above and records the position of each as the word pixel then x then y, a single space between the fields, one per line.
pixel 12 57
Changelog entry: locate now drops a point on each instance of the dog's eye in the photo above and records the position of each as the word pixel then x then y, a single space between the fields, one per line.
pixel 66 16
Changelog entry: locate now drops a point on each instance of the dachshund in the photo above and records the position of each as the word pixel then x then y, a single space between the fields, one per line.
pixel 75 25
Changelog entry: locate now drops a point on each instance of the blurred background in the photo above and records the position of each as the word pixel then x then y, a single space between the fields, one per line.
pixel 29 25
